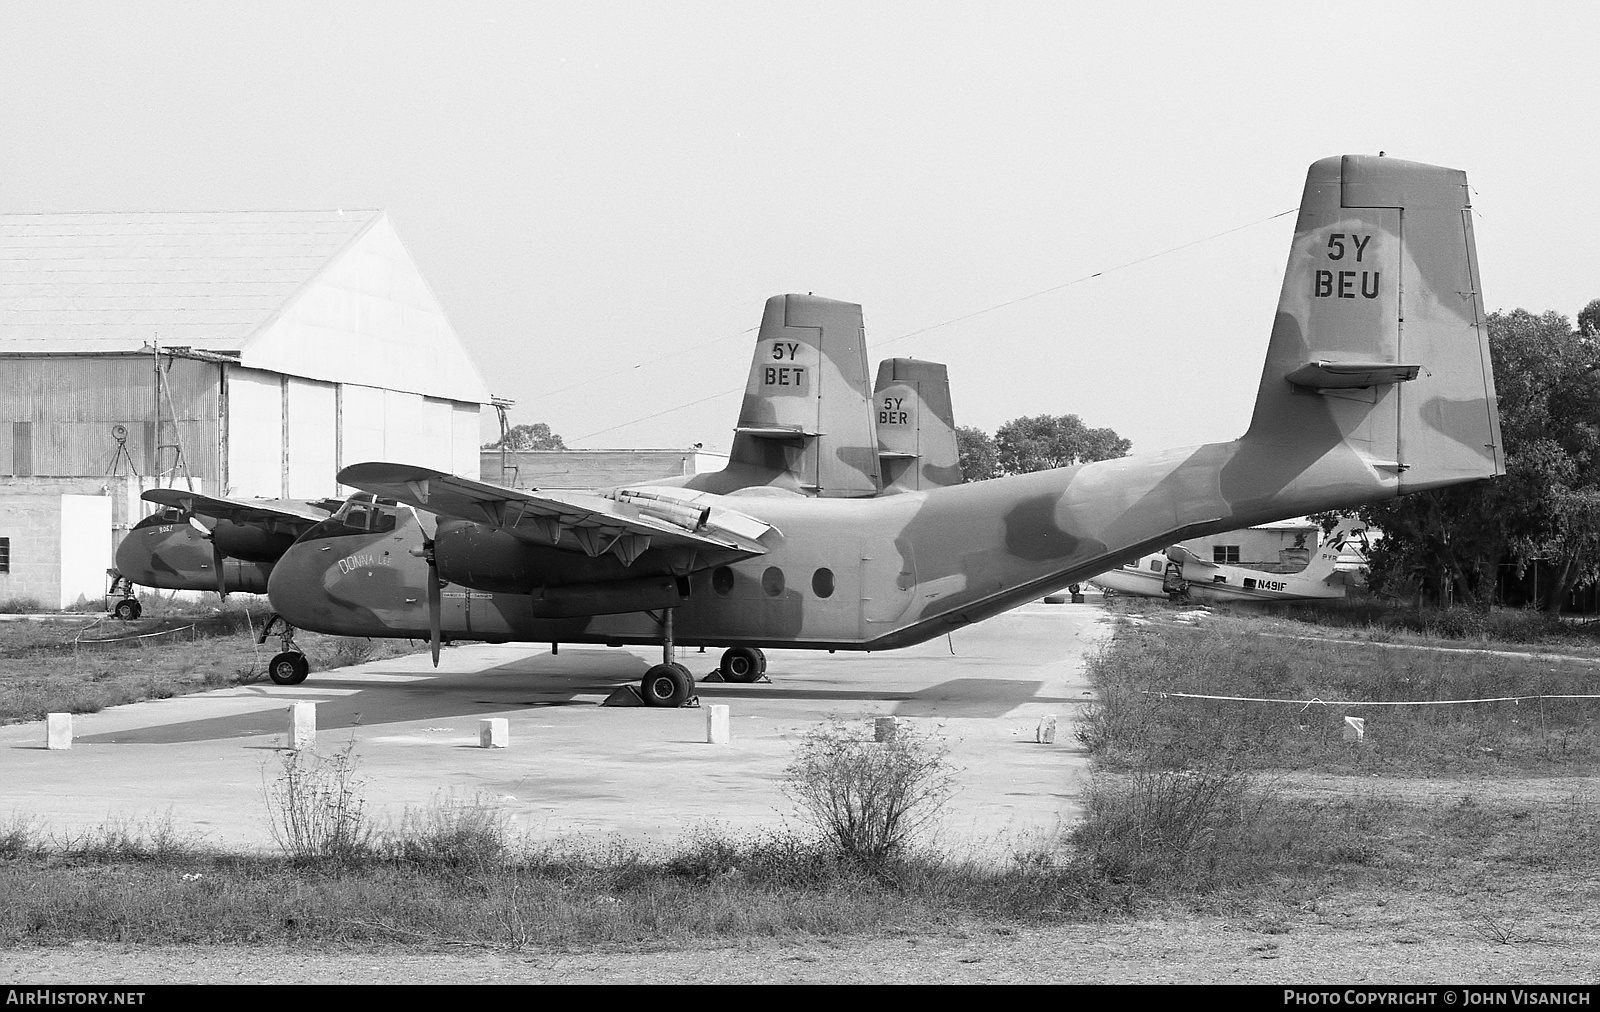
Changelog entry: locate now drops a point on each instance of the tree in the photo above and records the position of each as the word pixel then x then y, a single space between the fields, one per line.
pixel 976 450
pixel 528 437
pixel 1040 442
pixel 1546 508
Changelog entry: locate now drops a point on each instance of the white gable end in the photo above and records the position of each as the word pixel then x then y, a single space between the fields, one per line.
pixel 368 317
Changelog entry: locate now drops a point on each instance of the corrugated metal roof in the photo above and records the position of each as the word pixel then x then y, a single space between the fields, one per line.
pixel 114 281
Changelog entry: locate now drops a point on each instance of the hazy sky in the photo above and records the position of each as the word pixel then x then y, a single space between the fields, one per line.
pixel 603 195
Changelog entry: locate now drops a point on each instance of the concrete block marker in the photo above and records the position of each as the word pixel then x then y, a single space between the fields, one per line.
pixel 494 732
pixel 884 729
pixel 1046 735
pixel 58 730
pixel 1355 729
pixel 302 725
pixel 718 731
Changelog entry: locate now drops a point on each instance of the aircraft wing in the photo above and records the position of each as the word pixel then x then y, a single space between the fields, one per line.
pixel 625 522
pixel 1186 558
pixel 284 512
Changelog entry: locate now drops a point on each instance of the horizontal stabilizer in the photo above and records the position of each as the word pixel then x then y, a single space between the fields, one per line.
pixel 1325 375
pixel 774 432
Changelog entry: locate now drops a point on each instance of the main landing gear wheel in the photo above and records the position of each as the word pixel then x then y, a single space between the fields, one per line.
pixel 289 668
pixel 667 685
pixel 127 609
pixel 742 664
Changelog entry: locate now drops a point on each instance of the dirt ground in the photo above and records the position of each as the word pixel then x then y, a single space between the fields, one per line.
pixel 1389 945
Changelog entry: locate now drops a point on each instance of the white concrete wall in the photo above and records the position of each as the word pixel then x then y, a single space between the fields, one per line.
pixel 464 439
pixel 313 438
pixel 361 425
pixel 255 433
pixel 405 436
pixel 32 523
pixel 85 548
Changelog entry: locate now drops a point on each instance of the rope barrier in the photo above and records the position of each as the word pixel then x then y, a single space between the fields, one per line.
pixel 140 636
pixel 1308 703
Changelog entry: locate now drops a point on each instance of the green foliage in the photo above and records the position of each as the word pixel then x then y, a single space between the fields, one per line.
pixel 528 437
pixel 1041 442
pixel 977 453
pixel 1450 543
pixel 868 798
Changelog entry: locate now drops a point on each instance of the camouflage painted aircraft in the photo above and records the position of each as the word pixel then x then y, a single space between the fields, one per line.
pixel 1376 384
pixel 806 427
pixel 201 542
pixel 1178 572
pixel 916 426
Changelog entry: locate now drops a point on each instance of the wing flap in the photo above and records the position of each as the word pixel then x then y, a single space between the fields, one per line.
pixel 625 523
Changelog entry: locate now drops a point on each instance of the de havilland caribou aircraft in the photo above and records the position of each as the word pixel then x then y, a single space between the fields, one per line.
pixel 806 426
pixel 1178 572
pixel 1377 383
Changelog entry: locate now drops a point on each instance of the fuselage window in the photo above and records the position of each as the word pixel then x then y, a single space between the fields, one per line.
pixel 822 583
pixel 1155 565
pixel 722 580
pixel 772 581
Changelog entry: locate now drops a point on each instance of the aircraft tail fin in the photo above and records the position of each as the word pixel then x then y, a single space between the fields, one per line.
pixel 805 410
pixel 1323 561
pixel 1380 341
pixel 916 426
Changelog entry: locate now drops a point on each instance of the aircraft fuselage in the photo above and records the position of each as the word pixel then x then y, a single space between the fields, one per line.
pixel 867 574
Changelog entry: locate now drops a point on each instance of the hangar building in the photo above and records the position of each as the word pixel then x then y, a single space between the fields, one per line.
pixel 242 353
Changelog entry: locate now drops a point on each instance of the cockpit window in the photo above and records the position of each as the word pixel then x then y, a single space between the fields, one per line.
pixel 362 513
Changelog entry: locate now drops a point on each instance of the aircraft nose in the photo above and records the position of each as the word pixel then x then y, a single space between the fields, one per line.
pixel 168 556
pixel 296 588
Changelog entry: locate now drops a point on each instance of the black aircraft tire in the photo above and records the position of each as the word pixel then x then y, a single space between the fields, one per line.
pixel 127 609
pixel 741 664
pixel 666 685
pixel 761 655
pixel 289 668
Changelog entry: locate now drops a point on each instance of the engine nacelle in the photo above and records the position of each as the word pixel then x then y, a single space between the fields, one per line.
pixel 563 583
pixel 250 542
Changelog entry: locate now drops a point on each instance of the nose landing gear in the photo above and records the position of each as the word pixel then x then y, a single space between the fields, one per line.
pixel 289 666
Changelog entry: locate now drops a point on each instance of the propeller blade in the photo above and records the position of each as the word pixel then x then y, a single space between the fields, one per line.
pixel 433 596
pixel 433 611
pixel 216 564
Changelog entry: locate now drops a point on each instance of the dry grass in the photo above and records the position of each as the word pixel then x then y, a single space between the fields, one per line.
pixel 1135 725
pixel 176 648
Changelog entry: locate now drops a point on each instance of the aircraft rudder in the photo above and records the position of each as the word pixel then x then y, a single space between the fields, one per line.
pixel 1380 341
pixel 916 425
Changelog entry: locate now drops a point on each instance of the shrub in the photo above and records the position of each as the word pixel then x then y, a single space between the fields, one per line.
pixel 1195 829
pixel 453 833
pixel 315 808
pixel 868 798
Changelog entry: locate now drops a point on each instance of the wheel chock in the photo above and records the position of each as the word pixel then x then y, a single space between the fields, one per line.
pixel 624 695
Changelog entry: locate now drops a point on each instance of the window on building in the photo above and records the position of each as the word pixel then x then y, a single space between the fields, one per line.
pixel 5 555
pixel 1228 554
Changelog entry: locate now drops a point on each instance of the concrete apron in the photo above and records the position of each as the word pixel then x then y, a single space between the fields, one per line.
pixel 573 767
